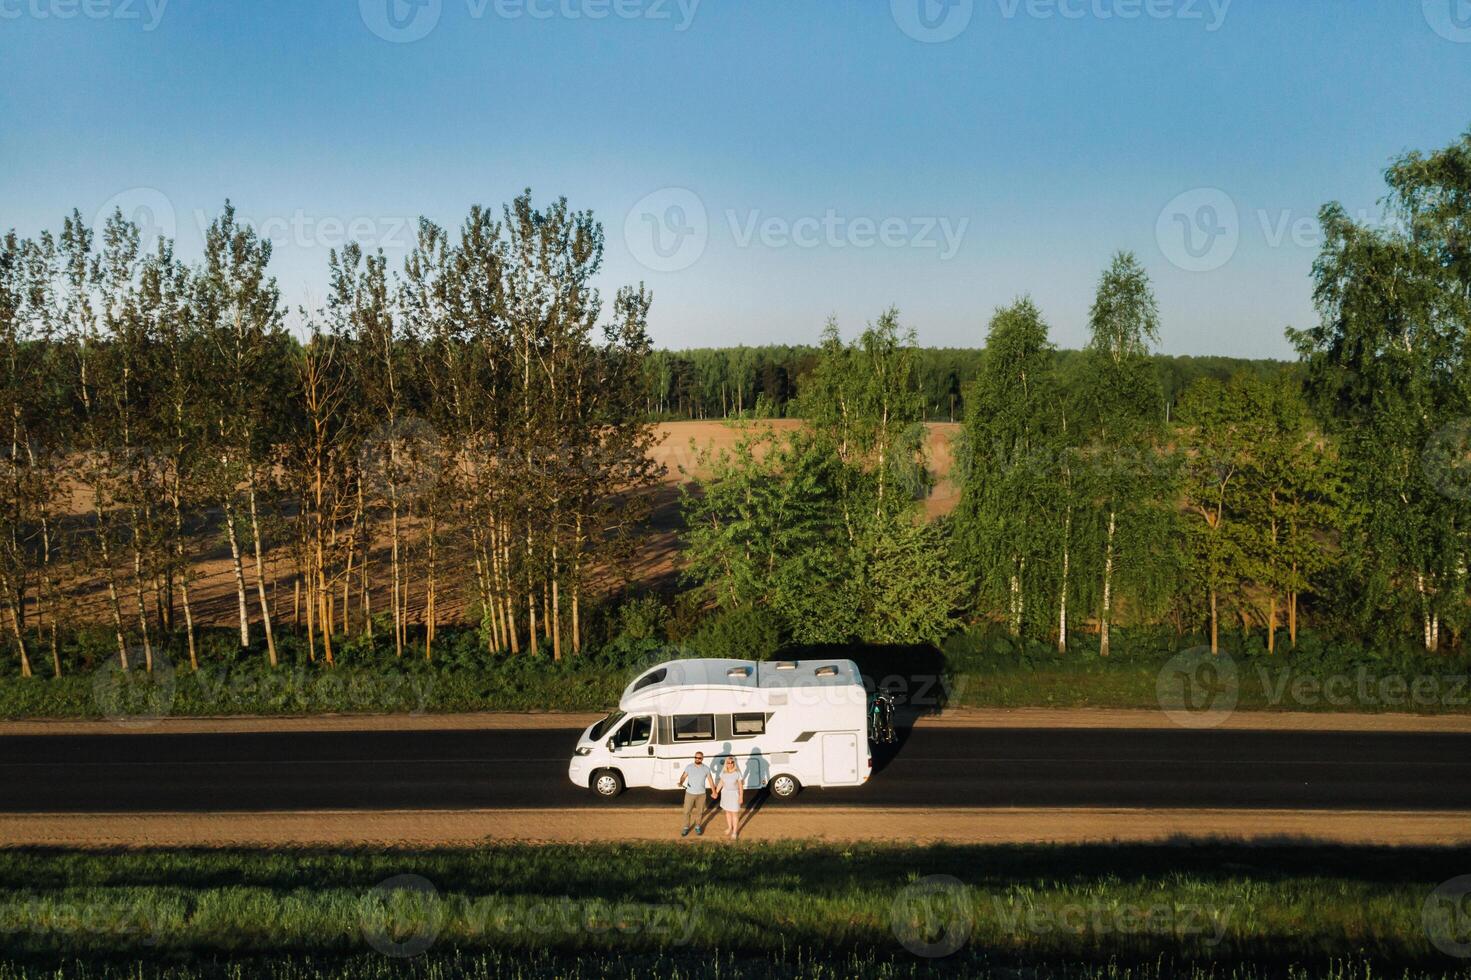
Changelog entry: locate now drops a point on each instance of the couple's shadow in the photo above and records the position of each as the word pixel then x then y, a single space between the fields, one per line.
pixel 755 775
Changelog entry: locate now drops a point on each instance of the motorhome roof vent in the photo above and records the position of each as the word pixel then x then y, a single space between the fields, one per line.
pixel 786 665
pixel 738 672
pixel 829 670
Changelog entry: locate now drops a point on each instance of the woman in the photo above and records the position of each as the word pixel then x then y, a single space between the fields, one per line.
pixel 732 796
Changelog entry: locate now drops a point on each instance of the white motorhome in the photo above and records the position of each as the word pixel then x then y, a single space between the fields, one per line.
pixel 789 724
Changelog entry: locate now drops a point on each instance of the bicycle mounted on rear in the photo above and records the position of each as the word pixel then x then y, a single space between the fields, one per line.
pixel 881 720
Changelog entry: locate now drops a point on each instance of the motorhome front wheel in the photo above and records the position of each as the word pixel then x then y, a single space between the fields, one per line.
pixel 607 784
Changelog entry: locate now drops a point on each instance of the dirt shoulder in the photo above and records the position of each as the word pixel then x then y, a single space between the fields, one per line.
pixel 1137 718
pixel 1035 718
pixel 832 824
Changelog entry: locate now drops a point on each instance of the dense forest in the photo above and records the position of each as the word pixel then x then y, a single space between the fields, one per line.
pixel 766 382
pixel 477 425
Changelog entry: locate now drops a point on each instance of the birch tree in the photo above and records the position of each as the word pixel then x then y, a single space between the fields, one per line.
pixel 1007 526
pixel 1124 410
pixel 1221 421
pixel 19 508
pixel 239 308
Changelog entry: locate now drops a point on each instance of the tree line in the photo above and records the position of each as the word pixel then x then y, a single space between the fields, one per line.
pixel 1092 495
pixel 765 382
pixel 476 399
pixel 473 431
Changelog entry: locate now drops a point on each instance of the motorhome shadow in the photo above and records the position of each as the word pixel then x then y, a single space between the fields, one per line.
pixel 789 724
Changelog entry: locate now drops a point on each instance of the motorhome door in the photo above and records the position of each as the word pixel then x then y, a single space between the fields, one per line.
pixel 839 758
pixel 633 747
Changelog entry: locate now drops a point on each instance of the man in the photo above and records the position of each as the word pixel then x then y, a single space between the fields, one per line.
pixel 696 780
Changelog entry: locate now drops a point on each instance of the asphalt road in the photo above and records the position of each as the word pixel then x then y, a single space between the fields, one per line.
pixel 938 767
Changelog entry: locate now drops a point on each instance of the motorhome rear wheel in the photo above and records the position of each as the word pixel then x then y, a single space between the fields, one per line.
pixel 785 787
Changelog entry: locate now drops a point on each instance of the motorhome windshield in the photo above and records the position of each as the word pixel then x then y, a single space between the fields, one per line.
pixel 606 725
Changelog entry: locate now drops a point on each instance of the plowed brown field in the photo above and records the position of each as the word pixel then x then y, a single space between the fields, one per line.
pixel 656 564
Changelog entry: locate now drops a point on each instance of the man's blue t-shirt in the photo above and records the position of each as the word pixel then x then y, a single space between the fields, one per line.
pixel 695 775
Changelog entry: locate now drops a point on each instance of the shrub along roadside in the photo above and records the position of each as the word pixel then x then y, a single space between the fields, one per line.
pixel 982 667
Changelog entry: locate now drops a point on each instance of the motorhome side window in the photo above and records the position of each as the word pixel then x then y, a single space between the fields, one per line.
pixel 747 725
pixel 636 732
pixel 694 728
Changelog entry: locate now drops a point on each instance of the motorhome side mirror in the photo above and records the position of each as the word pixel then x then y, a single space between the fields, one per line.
pixel 610 743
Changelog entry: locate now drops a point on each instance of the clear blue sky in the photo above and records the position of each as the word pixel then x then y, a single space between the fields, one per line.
pixel 828 145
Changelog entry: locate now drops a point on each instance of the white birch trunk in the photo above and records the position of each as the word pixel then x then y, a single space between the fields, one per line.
pixel 1107 584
